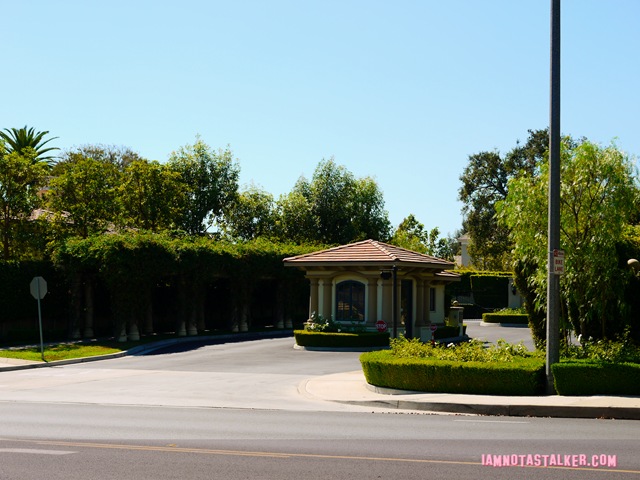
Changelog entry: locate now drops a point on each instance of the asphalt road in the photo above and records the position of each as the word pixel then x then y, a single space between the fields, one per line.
pixel 234 411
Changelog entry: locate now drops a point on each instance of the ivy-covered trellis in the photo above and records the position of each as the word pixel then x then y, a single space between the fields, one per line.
pixel 133 265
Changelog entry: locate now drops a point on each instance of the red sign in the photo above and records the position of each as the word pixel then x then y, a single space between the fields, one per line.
pixel 558 262
pixel 381 325
pixel 434 328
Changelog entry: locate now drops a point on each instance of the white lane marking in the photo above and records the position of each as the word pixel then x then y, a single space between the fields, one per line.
pixel 489 421
pixel 36 451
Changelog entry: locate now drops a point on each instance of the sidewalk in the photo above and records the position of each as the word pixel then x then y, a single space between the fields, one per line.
pixel 352 388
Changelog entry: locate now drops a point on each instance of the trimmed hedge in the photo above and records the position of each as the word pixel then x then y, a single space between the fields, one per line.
pixel 448 332
pixel 491 290
pixel 596 378
pixel 305 338
pixel 525 377
pixel 515 318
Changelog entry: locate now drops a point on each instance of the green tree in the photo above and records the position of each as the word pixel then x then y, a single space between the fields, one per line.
pixel 82 192
pixel 484 183
pixel 250 215
pixel 370 219
pixel 294 220
pixel 118 156
pixel 412 235
pixel 333 208
pixel 21 177
pixel 331 195
pixel 211 183
pixel 152 196
pixel 599 196
pixel 19 139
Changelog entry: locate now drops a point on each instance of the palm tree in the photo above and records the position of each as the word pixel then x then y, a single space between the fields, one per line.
pixel 19 139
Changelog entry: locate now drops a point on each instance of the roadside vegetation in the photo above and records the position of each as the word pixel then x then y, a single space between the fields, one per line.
pixel 108 227
pixel 63 351
pixel 600 367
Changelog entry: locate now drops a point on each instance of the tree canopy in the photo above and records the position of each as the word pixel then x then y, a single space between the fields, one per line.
pixel 250 215
pixel 83 193
pixel 210 180
pixel 21 177
pixel 95 188
pixel 334 208
pixel 412 235
pixel 151 195
pixel 485 182
pixel 19 139
pixel 599 196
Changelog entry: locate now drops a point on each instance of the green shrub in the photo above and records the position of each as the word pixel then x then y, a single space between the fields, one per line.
pixel 306 338
pixel 471 351
pixel 596 378
pixel 318 323
pixel 448 332
pixel 491 290
pixel 521 377
pixel 472 310
pixel 621 350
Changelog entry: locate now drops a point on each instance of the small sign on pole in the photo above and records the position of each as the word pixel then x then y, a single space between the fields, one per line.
pixel 558 262
pixel 381 325
pixel 38 287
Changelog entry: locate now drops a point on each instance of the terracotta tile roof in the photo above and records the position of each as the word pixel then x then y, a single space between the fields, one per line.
pixel 368 252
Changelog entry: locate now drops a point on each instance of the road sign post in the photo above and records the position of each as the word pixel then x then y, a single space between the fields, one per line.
pixel 38 287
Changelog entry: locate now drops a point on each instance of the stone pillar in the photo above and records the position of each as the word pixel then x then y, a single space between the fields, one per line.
pixel 192 329
pixel 244 315
pixel 401 329
pixel 182 331
pixel 200 311
pixel 76 305
pixel 192 320
pixel 379 311
pixel 327 298
pixel 372 302
pixel 88 309
pixel 123 334
pixel 134 334
pixel 148 320
pixel 424 330
pixel 280 296
pixel 419 320
pixel 387 302
pixel 235 320
pixel 313 296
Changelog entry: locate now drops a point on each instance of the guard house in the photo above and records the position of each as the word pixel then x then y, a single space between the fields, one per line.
pixel 355 283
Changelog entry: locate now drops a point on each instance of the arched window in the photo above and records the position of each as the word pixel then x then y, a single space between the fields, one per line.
pixel 350 301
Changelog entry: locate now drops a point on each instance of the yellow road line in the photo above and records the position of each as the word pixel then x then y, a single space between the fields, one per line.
pixel 206 451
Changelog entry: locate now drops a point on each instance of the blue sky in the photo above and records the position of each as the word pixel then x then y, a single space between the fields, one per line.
pixel 401 91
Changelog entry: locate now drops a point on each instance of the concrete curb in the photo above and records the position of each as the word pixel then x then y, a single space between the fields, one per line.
pixel 351 388
pixel 339 349
pixel 497 324
pixel 507 410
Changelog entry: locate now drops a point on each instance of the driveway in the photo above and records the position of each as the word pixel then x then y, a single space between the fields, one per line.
pixel 259 374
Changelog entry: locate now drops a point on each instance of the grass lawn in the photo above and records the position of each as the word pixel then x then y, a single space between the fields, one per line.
pixel 63 351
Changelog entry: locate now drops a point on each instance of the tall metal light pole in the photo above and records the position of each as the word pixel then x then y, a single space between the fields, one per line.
pixel 394 300
pixel 553 283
